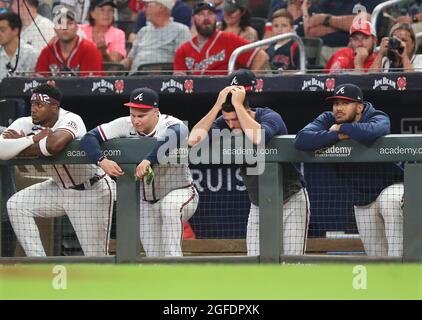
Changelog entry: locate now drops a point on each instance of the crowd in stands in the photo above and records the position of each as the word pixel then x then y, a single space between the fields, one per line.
pixel 85 38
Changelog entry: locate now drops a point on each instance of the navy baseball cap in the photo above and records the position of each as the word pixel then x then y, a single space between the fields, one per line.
pixel 102 3
pixel 203 5
pixel 143 98
pixel 243 77
pixel 347 91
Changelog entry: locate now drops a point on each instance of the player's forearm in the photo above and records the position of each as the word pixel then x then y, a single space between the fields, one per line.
pixel 10 148
pixel 200 130
pixel 251 128
pixel 90 143
pixel 260 61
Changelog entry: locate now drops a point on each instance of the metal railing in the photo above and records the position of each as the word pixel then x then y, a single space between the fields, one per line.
pixel 402 148
pixel 379 9
pixel 261 43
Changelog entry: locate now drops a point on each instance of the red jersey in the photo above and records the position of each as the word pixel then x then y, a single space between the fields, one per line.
pixel 344 59
pixel 84 60
pixel 213 57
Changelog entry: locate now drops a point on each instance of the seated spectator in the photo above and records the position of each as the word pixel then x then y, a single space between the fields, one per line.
pixel 108 39
pixel 157 42
pixel 181 13
pixel 409 12
pixel 69 54
pixel 209 52
pixel 284 54
pixel 10 63
pixel 360 55
pixel 80 8
pixel 399 55
pixel 30 33
pixel 237 19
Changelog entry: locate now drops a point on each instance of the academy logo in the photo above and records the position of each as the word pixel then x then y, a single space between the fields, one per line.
pixel 102 86
pixel 333 152
pixel 30 85
pixel 171 86
pixel 313 85
pixel 384 84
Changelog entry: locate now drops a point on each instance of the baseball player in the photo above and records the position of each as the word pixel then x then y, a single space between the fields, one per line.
pixel 374 188
pixel 83 192
pixel 257 124
pixel 169 198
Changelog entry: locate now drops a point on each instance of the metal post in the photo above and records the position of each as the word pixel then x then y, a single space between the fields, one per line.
pixel 127 219
pixel 271 213
pixel 1 209
pixel 412 244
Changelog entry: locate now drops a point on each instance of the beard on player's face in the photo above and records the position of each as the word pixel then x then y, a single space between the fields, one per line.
pixel 206 30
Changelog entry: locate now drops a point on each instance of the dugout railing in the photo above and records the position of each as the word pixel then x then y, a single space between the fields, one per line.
pixel 129 152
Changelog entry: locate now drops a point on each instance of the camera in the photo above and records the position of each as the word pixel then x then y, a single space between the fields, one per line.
pixel 395 44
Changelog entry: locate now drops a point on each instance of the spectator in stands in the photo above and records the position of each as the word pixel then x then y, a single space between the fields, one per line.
pixel 209 52
pixel 237 19
pixel 156 43
pixel 181 13
pixel 10 63
pixel 80 8
pixel 69 54
pixel 360 55
pixel 409 12
pixel 108 39
pixel 36 29
pixel 4 6
pixel 283 54
pixel 399 54
pixel 373 188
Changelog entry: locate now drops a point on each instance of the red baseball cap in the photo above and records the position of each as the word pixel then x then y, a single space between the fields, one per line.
pixel 362 26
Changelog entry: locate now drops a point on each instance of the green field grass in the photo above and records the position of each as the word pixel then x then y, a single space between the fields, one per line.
pixel 209 282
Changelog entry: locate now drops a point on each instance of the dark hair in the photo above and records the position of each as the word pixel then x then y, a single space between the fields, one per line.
pixel 245 20
pixel 227 106
pixel 283 13
pixel 13 19
pixel 49 90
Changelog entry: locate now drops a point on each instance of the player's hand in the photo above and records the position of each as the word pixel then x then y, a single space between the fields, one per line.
pixel 238 96
pixel 111 168
pixel 41 135
pixel 12 134
pixel 335 127
pixel 142 169
pixel 222 96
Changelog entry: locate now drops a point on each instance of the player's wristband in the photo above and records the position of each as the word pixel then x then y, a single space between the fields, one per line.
pixel 101 159
pixel 43 147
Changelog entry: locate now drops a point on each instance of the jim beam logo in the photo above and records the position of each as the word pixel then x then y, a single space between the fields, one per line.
pixel 188 85
pixel 30 85
pixel 384 84
pixel 313 85
pixel 330 84
pixel 171 86
pixel 102 86
pixel 119 86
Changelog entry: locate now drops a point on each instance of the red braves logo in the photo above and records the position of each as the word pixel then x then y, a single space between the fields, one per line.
pixel 119 85
pixel 330 84
pixel 401 83
pixel 188 85
pixel 259 85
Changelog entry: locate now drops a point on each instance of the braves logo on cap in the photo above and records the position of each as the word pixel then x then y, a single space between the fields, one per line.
pixel 341 90
pixel 234 81
pixel 139 97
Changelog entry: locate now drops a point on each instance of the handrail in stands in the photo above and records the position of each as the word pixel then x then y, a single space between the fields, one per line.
pixel 261 43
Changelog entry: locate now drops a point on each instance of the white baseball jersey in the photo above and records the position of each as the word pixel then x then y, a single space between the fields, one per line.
pixel 167 177
pixel 65 176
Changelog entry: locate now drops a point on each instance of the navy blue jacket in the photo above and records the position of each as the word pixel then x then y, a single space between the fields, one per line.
pixel 364 181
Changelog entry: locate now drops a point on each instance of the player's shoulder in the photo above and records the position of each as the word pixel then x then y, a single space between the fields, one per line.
pixel 168 120
pixel 65 115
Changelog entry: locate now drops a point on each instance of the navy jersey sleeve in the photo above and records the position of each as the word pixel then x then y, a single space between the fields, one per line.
pixel 365 132
pixel 181 133
pixel 272 124
pixel 91 144
pixel 316 135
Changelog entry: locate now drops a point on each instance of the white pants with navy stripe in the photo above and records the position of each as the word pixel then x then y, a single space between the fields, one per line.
pixel 295 225
pixel 161 229
pixel 89 211
pixel 380 223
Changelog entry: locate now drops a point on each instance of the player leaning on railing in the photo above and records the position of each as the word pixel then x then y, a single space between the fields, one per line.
pixel 375 188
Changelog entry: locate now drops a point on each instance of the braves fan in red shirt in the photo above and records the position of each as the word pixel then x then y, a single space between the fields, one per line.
pixel 360 55
pixel 209 52
pixel 69 54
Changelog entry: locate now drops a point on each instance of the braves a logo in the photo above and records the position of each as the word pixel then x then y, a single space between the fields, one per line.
pixel 341 90
pixel 139 97
pixel 234 81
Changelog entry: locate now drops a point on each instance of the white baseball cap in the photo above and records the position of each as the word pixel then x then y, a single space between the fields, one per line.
pixel 167 3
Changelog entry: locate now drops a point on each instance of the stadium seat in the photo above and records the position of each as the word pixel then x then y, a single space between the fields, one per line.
pixel 313 48
pixel 115 68
pixel 126 26
pixel 259 25
pixel 164 68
